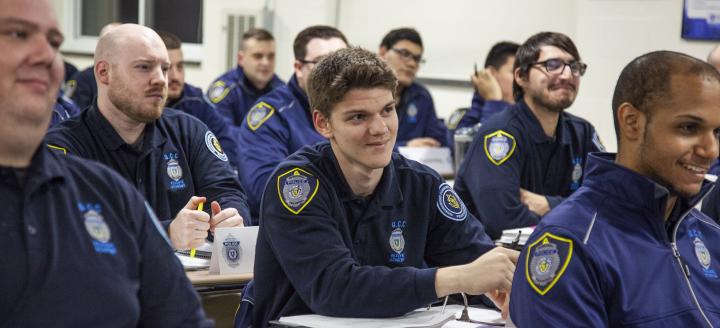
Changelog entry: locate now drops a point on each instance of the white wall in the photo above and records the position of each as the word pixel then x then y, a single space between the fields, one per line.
pixel 458 33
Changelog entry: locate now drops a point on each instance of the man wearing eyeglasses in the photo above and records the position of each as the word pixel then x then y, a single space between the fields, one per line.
pixel 280 122
pixel 527 159
pixel 419 126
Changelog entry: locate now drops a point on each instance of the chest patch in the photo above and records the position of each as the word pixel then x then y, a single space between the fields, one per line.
pixel 703 254
pixel 97 228
pixel 296 188
pixel 499 146
pixel 546 261
pixel 257 115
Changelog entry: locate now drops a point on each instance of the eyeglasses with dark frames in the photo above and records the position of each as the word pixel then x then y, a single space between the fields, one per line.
pixel 407 55
pixel 556 66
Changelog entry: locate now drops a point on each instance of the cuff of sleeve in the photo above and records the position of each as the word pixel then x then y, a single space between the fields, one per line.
pixel 425 285
pixel 554 200
pixel 166 225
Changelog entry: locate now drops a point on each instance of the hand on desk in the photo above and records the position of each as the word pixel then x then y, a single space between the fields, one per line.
pixel 228 217
pixel 536 203
pixel 190 226
pixel 501 300
pixel 423 142
pixel 493 271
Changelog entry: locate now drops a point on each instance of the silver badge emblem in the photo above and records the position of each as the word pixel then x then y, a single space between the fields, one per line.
pixel 174 170
pixel 232 252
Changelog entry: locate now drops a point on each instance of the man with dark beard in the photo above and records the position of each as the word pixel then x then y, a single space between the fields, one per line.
pixel 527 159
pixel 171 157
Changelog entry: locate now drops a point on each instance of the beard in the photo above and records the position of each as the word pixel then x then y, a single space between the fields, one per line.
pixel 133 106
pixel 555 106
pixel 648 165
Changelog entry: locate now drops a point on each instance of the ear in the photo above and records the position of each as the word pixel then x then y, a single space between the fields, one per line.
pixel 493 71
pixel 102 72
pixel 297 65
pixel 631 122
pixel 382 51
pixel 322 124
pixel 240 57
pixel 521 80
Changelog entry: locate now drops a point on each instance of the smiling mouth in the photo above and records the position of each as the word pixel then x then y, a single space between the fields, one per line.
pixel 694 169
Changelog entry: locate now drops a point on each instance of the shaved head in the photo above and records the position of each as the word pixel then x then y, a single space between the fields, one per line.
pixel 131 64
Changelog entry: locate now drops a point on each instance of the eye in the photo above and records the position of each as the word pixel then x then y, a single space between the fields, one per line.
pixel 388 110
pixel 143 67
pixel 357 117
pixel 18 34
pixel 688 128
pixel 554 64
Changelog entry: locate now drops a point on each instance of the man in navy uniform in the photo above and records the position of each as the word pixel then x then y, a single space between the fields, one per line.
pixel 234 92
pixel 170 156
pixel 629 248
pixel 187 98
pixel 493 85
pixel 419 125
pixel 80 245
pixel 345 231
pixel 280 122
pixel 525 160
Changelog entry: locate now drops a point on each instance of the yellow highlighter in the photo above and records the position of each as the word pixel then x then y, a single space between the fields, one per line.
pixel 192 250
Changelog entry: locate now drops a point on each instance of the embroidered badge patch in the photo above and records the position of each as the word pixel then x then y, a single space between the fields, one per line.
pixel 296 188
pixel 232 252
pixel 455 118
pixel 576 173
pixel 397 241
pixel 69 88
pixel 499 146
pixel 213 145
pixel 96 227
pixel 257 115
pixel 546 261
pixel 450 205
pixel 703 255
pixel 218 91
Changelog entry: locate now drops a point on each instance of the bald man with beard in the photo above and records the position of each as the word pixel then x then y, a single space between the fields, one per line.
pixel 170 156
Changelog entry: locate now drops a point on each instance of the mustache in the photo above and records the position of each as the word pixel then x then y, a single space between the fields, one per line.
pixel 564 84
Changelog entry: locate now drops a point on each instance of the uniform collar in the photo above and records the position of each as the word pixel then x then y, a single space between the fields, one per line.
pixel 387 192
pixel 247 86
pixel 188 91
pixel 604 174
pixel 299 94
pixel 43 168
pixel 112 141
pixel 562 132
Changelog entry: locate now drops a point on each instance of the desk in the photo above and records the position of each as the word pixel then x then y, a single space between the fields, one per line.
pixel 220 294
pixel 203 278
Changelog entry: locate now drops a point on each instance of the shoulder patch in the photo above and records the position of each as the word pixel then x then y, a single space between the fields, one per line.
pixel 499 146
pixel 57 149
pixel 455 118
pixel 213 145
pixel 546 260
pixel 69 88
pixel 218 91
pixel 597 142
pixel 296 188
pixel 257 115
pixel 450 205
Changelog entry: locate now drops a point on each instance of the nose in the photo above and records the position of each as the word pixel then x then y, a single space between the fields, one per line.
pixel 378 125
pixel 566 72
pixel 709 146
pixel 159 77
pixel 43 53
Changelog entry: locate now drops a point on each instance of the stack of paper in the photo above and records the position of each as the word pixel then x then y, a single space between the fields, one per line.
pixel 516 238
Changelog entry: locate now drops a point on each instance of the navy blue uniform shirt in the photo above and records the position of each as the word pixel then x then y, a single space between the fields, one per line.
pixel 82 88
pixel 481 110
pixel 511 151
pixel 193 102
pixel 278 124
pixel 321 249
pixel 417 117
pixel 233 95
pixel 179 158
pixel 81 248
pixel 607 257
pixel 63 109
pixel 711 203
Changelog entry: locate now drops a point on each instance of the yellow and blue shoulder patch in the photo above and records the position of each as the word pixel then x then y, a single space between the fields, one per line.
pixel 455 118
pixel 69 88
pixel 499 146
pixel 218 91
pixel 257 115
pixel 58 149
pixel 450 205
pixel 296 188
pixel 213 145
pixel 546 261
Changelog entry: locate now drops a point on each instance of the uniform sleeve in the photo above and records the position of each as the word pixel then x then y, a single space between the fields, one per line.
pixel 167 299
pixel 84 93
pixel 472 116
pixel 556 284
pixel 212 174
pixel 491 108
pixel 434 128
pixel 489 181
pixel 455 237
pixel 263 148
pixel 305 236
pixel 59 140
pixel 226 102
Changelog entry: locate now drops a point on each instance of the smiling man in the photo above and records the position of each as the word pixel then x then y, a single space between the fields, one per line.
pixel 525 160
pixel 628 249
pixel 344 230
pixel 170 156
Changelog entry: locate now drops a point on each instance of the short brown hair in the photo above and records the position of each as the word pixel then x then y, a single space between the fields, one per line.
pixel 314 32
pixel 257 34
pixel 171 41
pixel 344 70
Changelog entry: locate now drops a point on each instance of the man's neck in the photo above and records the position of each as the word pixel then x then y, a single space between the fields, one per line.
pixel 671 201
pixel 128 129
pixel 362 181
pixel 548 119
pixel 20 141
